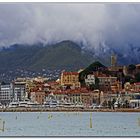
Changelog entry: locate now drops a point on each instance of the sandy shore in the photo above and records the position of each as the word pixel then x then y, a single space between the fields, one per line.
pixel 67 110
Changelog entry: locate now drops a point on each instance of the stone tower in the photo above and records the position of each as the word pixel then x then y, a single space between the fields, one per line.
pixel 113 60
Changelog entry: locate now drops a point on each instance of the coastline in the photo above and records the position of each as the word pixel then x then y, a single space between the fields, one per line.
pixel 67 110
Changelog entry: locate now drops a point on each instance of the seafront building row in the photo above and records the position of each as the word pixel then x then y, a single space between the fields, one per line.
pixel 69 91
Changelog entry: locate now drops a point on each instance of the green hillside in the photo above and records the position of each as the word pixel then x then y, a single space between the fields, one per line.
pixel 63 55
pixel 95 66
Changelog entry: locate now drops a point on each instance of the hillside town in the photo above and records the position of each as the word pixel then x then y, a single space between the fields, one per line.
pixel 94 87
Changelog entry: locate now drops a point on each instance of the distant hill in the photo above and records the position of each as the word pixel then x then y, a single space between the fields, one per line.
pixel 63 55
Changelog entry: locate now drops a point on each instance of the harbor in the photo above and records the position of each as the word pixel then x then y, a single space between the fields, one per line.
pixel 69 124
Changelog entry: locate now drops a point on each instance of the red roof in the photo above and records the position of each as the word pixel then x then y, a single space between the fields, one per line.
pixel 70 73
pixel 70 91
pixel 138 83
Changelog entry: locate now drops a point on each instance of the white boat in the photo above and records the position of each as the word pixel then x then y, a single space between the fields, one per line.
pixel 79 105
pixel 53 103
pixel 59 105
pixel 23 104
pixel 46 104
pixel 13 104
pixel 1 105
pixel 66 104
pixel 32 105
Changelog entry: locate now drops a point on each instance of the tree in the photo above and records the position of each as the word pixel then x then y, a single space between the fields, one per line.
pixel 96 85
pixel 109 104
pixel 127 79
pixel 3 83
pixel 96 66
pixel 104 103
pixel 131 67
pixel 137 77
pixel 113 101
pixel 132 81
pixel 96 82
pixel 126 103
pixel 119 104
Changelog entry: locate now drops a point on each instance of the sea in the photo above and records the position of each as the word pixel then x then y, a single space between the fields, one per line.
pixel 70 124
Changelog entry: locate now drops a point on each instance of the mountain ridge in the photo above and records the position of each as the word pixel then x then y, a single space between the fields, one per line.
pixel 63 55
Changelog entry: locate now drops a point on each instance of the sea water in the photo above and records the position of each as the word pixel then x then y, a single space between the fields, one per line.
pixel 70 124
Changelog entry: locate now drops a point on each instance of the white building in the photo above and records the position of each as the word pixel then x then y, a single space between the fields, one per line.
pixel 5 93
pixel 19 91
pixel 135 103
pixel 90 80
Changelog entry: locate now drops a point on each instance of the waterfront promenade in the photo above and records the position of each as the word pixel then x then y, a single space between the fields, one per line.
pixel 67 110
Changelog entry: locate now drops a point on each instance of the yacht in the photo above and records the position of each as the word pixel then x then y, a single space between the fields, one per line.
pixel 32 104
pixel 68 104
pixel 79 106
pixel 53 103
pixel 13 104
pixel 23 104
pixel 46 104
pixel 1 105
pixel 59 104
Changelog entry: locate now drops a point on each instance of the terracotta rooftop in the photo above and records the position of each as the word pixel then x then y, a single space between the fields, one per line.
pixel 70 73
pixel 70 91
pixel 138 83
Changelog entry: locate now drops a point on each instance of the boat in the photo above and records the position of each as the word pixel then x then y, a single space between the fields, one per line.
pixel 23 104
pixel 32 104
pixel 1 105
pixel 79 106
pixel 46 104
pixel 53 103
pixel 13 104
pixel 68 104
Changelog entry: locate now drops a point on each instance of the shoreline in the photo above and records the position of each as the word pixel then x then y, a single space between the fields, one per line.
pixel 66 110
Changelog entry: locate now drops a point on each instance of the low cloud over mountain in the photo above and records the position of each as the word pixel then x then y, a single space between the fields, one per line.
pixel 101 28
pixel 115 25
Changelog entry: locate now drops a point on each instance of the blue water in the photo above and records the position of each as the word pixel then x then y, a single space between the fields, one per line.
pixel 70 124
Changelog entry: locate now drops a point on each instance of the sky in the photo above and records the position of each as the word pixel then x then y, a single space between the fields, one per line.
pixel 113 25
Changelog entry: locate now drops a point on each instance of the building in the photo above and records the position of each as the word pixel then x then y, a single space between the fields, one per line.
pixel 136 87
pixel 70 79
pixel 69 96
pixel 5 93
pixel 40 79
pixel 94 97
pixel 90 80
pixel 135 103
pixel 37 97
pixel 19 90
pixel 105 82
pixel 116 70
pixel 137 68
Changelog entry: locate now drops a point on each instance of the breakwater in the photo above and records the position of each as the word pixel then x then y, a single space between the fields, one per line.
pixel 67 110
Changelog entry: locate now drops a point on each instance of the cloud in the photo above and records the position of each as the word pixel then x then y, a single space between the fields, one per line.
pixel 91 24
